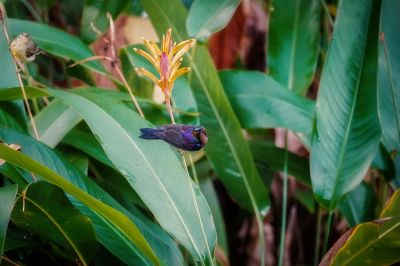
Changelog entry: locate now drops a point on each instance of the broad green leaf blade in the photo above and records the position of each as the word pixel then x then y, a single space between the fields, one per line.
pixel 261 102
pixel 389 75
pixel 371 243
pixel 293 42
pixel 54 122
pixel 267 154
pixel 7 198
pixel 226 148
pixel 121 222
pixel 6 119
pixel 347 128
pixel 117 128
pixel 69 229
pixel 210 194
pixel 358 205
pixel 107 233
pixel 56 42
pixel 94 11
pixel 392 206
pixel 209 16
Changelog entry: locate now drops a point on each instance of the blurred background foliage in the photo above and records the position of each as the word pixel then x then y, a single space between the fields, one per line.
pixel 301 102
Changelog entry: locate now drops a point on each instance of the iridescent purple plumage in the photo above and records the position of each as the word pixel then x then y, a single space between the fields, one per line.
pixel 184 137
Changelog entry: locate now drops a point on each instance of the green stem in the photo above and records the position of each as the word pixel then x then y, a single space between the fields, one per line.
pixel 326 9
pixel 317 236
pixel 327 231
pixel 284 202
pixel 193 169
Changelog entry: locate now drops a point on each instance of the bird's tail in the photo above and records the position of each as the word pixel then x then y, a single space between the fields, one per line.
pixel 149 133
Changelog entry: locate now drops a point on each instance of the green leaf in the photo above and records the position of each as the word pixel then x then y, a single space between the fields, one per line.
pixel 372 243
pixel 121 222
pixel 294 39
pixel 388 75
pixel 210 194
pixel 107 233
pixel 392 206
pixel 347 129
pixel 267 154
pixel 39 212
pixel 54 122
pixel 56 42
pixel 117 128
pixel 7 120
pixel 7 198
pixel 95 11
pixel 358 205
pixel 261 102
pixel 227 148
pixel 209 16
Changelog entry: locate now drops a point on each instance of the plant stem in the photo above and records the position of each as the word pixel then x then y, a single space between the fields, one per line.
pixel 317 236
pixel 327 231
pixel 28 108
pixel 326 9
pixel 284 202
pixel 193 168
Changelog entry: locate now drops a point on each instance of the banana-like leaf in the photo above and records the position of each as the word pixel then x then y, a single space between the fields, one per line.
pixel 389 75
pixel 54 122
pixel 358 205
pixel 209 16
pixel 347 130
pixel 293 42
pixel 39 212
pixel 371 243
pixel 261 102
pixel 227 149
pixel 117 128
pixel 121 222
pixel 7 198
pixel 107 233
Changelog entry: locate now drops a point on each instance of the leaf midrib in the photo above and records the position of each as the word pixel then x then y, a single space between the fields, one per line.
pixel 343 145
pixel 152 171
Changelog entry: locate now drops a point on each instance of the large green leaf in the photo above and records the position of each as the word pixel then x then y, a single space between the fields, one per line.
pixel 107 233
pixel 56 42
pixel 7 198
pixel 347 128
pixel 69 229
pixel 117 128
pixel 389 75
pixel 210 194
pixel 358 205
pixel 226 148
pixel 209 16
pixel 293 42
pixel 54 122
pixel 267 154
pixel 371 243
pixel 120 222
pixel 261 102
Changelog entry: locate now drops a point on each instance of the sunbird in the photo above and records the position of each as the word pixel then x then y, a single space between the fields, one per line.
pixel 24 49
pixel 184 137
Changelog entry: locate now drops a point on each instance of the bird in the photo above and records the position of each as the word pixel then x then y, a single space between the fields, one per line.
pixel 183 137
pixel 24 49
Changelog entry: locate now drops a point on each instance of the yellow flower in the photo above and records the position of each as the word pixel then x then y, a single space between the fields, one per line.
pixel 166 61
